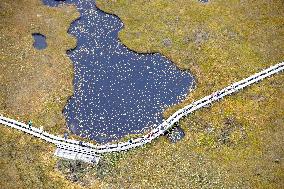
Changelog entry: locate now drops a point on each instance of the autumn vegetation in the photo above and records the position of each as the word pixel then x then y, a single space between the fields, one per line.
pixel 236 143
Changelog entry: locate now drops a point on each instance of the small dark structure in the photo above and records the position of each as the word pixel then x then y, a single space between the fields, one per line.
pixel 175 134
pixel 66 135
pixel 30 123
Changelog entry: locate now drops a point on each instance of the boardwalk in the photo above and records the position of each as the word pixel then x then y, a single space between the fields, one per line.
pixel 72 149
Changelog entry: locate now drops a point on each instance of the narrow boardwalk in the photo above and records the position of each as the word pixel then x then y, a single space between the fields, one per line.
pixel 72 149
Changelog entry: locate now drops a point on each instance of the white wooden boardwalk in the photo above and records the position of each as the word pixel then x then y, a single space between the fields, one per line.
pixel 72 149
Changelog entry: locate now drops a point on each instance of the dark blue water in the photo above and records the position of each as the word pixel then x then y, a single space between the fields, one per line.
pixel 117 91
pixel 39 41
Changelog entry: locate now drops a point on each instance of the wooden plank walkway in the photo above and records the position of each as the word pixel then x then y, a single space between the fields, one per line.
pixel 76 150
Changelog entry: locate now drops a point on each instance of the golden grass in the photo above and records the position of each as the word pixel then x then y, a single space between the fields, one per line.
pixel 219 42
pixel 238 142
pixel 33 85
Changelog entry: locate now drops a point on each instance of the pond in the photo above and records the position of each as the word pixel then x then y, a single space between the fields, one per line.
pixel 39 41
pixel 204 1
pixel 116 91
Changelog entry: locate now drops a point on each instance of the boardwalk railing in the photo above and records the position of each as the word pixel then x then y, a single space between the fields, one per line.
pixel 74 149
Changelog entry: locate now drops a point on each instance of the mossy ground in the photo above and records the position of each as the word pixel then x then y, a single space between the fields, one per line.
pixel 236 143
pixel 33 85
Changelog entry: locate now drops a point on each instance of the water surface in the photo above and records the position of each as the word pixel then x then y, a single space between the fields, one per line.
pixel 117 91
pixel 39 41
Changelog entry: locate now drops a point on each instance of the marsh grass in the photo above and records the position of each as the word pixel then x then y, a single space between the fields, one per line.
pixel 237 142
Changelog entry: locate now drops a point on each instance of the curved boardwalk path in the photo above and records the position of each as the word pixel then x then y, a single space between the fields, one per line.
pixel 72 149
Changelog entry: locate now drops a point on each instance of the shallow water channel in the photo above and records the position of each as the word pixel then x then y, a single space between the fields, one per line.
pixel 117 91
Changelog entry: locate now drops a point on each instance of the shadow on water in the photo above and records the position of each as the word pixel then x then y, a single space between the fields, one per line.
pixel 116 91
pixel 39 41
